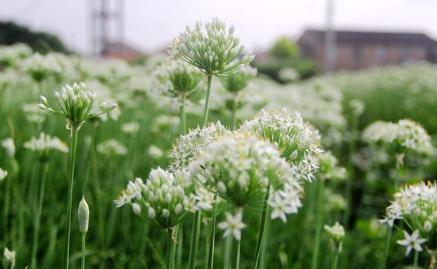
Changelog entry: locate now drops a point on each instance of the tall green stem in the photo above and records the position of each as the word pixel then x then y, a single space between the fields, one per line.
pixel 183 115
pixel 37 220
pixel 169 249
pixel 195 240
pixel 386 248
pixel 337 255
pixel 83 250
pixel 228 253
pixel 262 228
pixel 7 202
pixel 212 240
pixel 234 113
pixel 237 255
pixel 319 222
pixel 206 108
pixel 416 259
pixel 73 146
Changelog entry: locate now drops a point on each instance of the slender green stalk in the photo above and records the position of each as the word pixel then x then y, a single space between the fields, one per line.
pixel 206 108
pixel 83 250
pixel 337 255
pixel 416 259
pixel 7 202
pixel 73 146
pixel 169 249
pixel 262 228
pixel 180 237
pixel 228 253
pixel 195 240
pixel 349 182
pixel 237 255
pixel 386 248
pixel 212 240
pixel 37 220
pixel 319 222
pixel 183 115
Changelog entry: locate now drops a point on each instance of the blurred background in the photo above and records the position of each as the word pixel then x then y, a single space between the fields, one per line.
pixel 355 34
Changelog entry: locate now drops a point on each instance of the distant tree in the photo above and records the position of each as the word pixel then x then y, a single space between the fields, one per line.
pixel 285 48
pixel 11 33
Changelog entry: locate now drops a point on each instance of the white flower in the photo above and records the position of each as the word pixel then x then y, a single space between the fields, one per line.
pixel 45 143
pixel 83 215
pixel 3 174
pixel 233 225
pixel 212 48
pixel 155 152
pixel 111 147
pixel 9 256
pixel 411 242
pixel 336 231
pixel 130 127
pixel 9 145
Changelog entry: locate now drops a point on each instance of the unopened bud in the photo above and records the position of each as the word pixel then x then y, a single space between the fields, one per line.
pixel 83 214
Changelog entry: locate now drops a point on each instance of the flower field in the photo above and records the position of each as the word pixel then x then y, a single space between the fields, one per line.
pixel 194 160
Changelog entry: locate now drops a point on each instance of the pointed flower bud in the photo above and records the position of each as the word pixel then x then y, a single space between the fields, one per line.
pixel 83 214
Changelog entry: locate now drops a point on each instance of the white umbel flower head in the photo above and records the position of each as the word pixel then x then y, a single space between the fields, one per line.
pixel 39 67
pixel 76 104
pixel 415 204
pixel 160 199
pixel 130 127
pixel 335 231
pixel 3 174
pixel 83 215
pixel 233 225
pixel 236 82
pixel 9 257
pixel 9 146
pixel 45 143
pixel 406 135
pixel 242 167
pixel 298 142
pixel 211 47
pixel 412 242
pixel 111 147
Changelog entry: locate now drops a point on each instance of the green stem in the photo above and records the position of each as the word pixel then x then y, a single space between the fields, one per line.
pixel 416 259
pixel 169 249
pixel 83 250
pixel 262 228
pixel 180 238
pixel 386 248
pixel 212 240
pixel 206 108
pixel 319 222
pixel 195 240
pixel 7 202
pixel 37 221
pixel 349 183
pixel 183 115
pixel 337 254
pixel 74 134
pixel 237 255
pixel 228 251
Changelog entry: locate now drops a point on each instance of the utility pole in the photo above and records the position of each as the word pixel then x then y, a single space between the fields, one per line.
pixel 330 38
pixel 107 25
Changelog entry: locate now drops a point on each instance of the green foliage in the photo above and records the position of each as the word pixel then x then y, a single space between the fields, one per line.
pixel 42 42
pixel 285 48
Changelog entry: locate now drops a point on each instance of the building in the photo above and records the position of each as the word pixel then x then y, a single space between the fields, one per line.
pixel 123 51
pixel 360 50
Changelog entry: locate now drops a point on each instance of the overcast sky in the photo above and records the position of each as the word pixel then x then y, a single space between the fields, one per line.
pixel 151 24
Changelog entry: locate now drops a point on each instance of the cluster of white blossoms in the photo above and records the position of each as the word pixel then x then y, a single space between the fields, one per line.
pixel 11 55
pixel 299 142
pixel 33 113
pixel 76 104
pixel 404 135
pixel 9 146
pixel 416 205
pixel 160 199
pixel 3 174
pixel 9 258
pixel 234 83
pixel 188 145
pixel 111 147
pixel 241 167
pixel 335 231
pixel 212 48
pixel 130 127
pixel 45 143
pixel 39 67
pixel 329 167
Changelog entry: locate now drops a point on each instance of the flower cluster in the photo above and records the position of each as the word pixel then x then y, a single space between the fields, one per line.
pixel 241 167
pixel 9 146
pixel 33 113
pixel 111 147
pixel 45 143
pixel 410 242
pixel 239 80
pixel 76 104
pixel 40 67
pixel 130 127
pixel 404 135
pixel 233 225
pixel 10 55
pixel 299 143
pixel 160 199
pixel 188 145
pixel 329 167
pixel 9 257
pixel 180 78
pixel 3 174
pixel 416 205
pixel 336 231
pixel 212 48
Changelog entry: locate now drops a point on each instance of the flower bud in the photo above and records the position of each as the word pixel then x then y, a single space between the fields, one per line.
pixel 136 208
pixel 83 214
